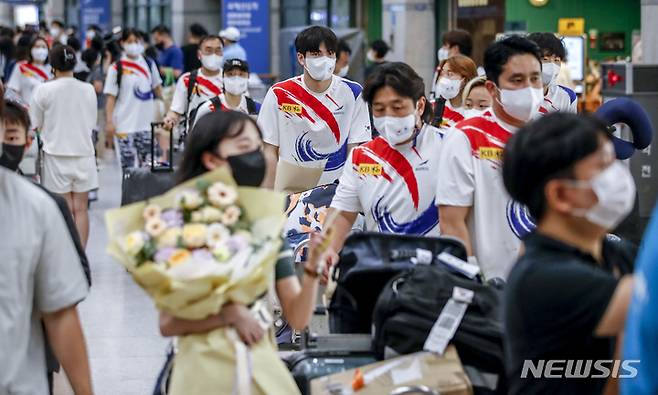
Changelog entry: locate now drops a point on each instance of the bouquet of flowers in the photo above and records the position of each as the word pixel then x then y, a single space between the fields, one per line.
pixel 201 245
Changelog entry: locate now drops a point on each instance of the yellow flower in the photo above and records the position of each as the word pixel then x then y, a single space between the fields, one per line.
pixel 211 214
pixel 217 234
pixel 151 211
pixel 231 215
pixel 133 243
pixel 169 238
pixel 194 235
pixel 221 195
pixel 178 257
pixel 190 199
pixel 196 216
pixel 155 227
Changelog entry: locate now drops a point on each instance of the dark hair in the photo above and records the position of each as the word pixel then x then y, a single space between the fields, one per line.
pixel 402 79
pixel 89 56
pixel 16 113
pixel 309 40
pixel 62 58
pixel 32 44
pixel 211 37
pixel 57 22
pixel 162 29
pixel 198 30
pixel 206 136
pixel 343 47
pixel 74 43
pixel 499 53
pixel 126 33
pixel 2 103
pixel 549 44
pixel 547 149
pixel 461 38
pixel 380 47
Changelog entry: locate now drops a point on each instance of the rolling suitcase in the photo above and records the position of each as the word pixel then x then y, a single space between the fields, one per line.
pixel 328 354
pixel 142 183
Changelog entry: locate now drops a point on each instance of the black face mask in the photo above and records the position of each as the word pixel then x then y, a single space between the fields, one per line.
pixel 248 169
pixel 11 156
pixel 160 46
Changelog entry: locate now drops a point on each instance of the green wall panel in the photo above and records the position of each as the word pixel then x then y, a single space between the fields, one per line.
pixel 603 15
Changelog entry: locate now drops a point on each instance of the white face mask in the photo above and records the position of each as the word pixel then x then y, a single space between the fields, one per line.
pixel 39 54
pixel 343 72
pixel 134 49
pixel 396 129
pixel 522 104
pixel 90 35
pixel 236 85
pixel 474 112
pixel 614 188
pixel 212 62
pixel 549 73
pixel 320 68
pixel 442 54
pixel 447 88
pixel 55 31
pixel 370 56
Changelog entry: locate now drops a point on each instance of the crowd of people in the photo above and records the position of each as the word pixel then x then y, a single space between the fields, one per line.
pixel 496 156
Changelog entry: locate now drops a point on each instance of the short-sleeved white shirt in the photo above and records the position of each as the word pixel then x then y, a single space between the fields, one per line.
pixel 470 175
pixel 559 99
pixel 311 127
pixel 26 77
pixel 64 110
pixel 205 88
pixel 40 272
pixel 394 186
pixel 135 106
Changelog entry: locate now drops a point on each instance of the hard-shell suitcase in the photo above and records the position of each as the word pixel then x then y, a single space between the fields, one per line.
pixel 329 354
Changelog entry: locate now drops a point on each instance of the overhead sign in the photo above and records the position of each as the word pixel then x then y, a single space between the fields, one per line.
pixel 571 26
pixel 252 18
pixel 95 12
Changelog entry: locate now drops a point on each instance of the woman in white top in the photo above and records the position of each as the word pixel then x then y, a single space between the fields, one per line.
pixel 64 112
pixel 32 73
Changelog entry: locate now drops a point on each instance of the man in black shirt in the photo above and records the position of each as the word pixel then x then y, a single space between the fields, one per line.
pixel 190 57
pixel 567 297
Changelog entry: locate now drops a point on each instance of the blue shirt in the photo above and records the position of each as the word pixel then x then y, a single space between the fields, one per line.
pixel 640 339
pixel 235 51
pixel 171 57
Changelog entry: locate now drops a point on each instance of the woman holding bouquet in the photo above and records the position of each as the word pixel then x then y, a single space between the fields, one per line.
pixel 233 140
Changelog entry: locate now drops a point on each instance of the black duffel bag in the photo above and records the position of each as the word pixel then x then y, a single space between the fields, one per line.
pixel 142 183
pixel 409 306
pixel 368 261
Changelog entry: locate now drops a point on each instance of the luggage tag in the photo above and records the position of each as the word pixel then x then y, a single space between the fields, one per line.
pixel 467 269
pixel 451 316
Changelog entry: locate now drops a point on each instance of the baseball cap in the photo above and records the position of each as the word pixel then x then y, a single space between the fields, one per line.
pixel 230 33
pixel 236 64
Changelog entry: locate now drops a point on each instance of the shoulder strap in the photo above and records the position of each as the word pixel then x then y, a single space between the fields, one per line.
pixel 251 106
pixel 190 87
pixel 119 75
pixel 217 102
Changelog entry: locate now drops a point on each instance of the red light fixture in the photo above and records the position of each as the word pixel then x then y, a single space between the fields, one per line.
pixel 613 78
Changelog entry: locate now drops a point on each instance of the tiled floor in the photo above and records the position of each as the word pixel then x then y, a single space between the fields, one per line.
pixel 120 323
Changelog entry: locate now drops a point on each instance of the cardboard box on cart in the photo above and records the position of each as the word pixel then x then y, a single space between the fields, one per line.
pixel 443 374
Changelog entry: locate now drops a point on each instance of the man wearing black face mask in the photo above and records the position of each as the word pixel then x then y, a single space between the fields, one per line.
pixel 16 142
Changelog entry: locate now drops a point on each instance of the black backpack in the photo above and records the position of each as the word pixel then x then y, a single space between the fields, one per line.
pixel 368 261
pixel 410 304
pixel 253 108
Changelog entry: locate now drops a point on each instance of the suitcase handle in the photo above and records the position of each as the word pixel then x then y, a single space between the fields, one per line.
pixel 170 166
pixel 416 389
